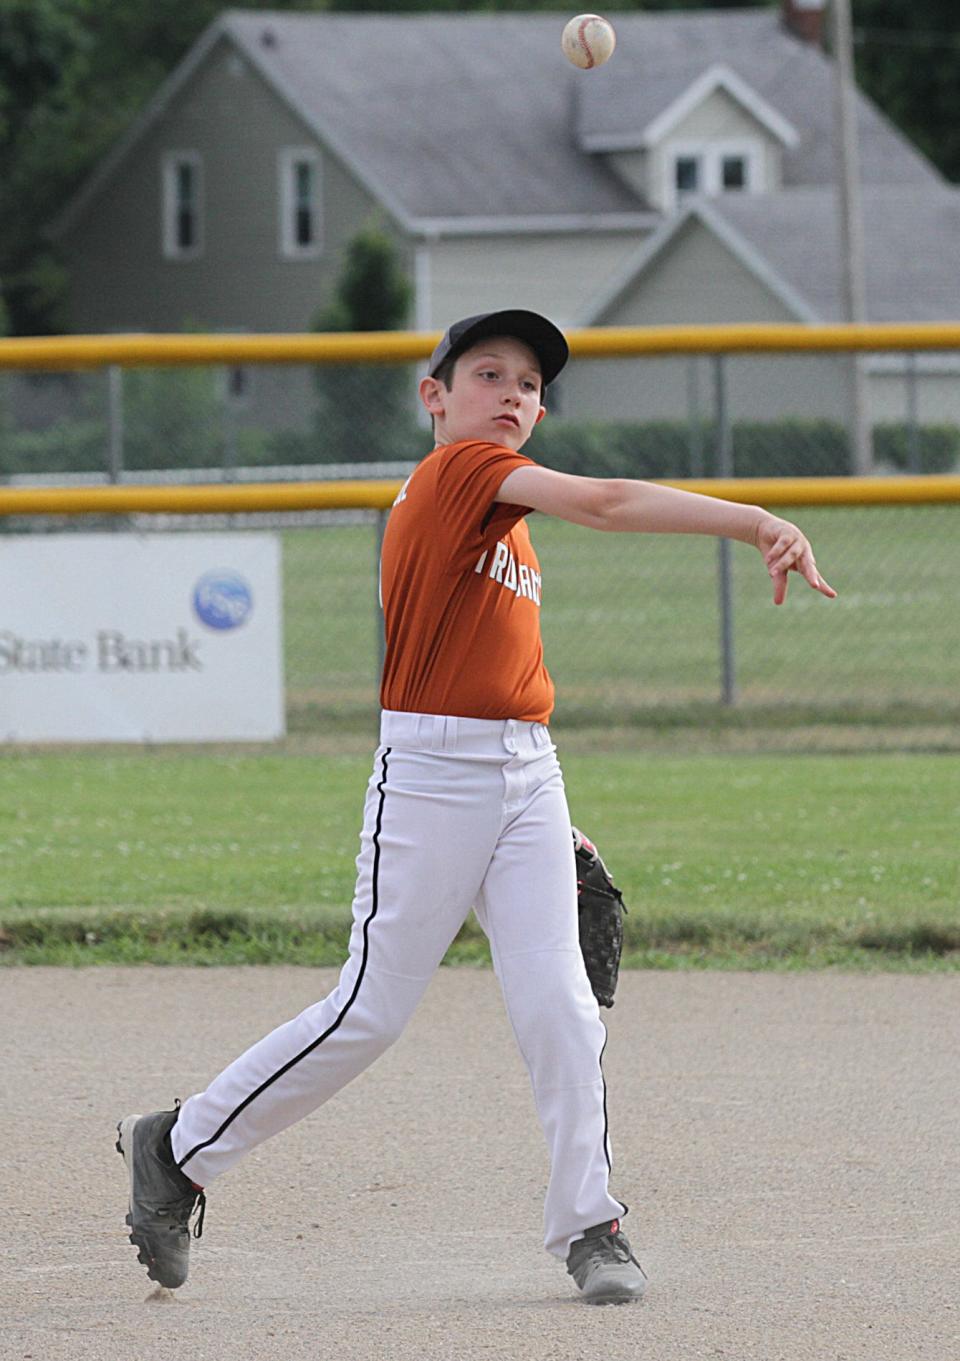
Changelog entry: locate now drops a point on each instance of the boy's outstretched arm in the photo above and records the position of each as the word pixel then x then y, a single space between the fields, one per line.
pixel 627 506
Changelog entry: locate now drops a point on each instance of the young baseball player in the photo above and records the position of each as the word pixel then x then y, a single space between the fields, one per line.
pixel 465 809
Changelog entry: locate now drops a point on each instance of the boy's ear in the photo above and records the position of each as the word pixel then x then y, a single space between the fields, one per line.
pixel 540 415
pixel 432 393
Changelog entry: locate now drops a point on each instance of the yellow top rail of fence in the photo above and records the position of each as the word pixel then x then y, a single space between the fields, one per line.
pixel 253 498
pixel 47 353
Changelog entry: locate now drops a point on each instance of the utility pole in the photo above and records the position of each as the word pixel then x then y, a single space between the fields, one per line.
pixel 851 226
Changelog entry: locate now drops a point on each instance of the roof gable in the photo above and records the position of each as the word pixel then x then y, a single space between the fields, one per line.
pixel 715 78
pixel 653 249
pixel 790 242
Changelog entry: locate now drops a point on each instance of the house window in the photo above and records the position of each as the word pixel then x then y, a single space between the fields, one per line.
pixel 733 172
pixel 687 174
pixel 713 168
pixel 182 205
pixel 300 218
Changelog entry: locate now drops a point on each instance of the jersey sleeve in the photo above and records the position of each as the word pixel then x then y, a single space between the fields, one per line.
pixel 470 519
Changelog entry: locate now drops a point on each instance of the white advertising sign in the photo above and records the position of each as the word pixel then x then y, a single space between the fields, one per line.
pixel 140 638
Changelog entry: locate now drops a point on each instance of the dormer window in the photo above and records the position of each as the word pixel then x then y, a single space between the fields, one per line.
pixel 715 135
pixel 733 172
pixel 687 175
pixel 711 168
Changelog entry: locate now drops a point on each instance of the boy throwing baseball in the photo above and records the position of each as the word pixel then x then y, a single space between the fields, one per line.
pixel 465 809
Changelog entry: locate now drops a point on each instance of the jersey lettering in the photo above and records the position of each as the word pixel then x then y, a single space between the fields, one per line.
pixel 500 556
pixel 521 579
pixel 510 582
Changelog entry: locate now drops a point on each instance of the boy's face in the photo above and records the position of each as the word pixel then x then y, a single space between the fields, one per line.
pixel 495 395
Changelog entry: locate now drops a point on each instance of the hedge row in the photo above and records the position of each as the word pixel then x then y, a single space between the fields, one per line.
pixel 760 449
pixel 600 449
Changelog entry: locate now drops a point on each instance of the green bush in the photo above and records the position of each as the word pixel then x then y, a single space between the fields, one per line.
pixel 760 448
pixel 363 411
pixel 66 447
pixel 613 449
pixel 172 418
pixel 937 447
pixel 670 449
pixel 791 449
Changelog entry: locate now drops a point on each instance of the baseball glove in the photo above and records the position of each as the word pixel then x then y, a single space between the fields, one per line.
pixel 601 909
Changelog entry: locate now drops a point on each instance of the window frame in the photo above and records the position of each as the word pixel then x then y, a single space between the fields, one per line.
pixel 288 159
pixel 710 156
pixel 172 161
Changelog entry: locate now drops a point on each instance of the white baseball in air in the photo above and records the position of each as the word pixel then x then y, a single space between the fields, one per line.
pixel 588 40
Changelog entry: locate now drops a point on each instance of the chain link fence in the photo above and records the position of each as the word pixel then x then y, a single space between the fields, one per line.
pixel 666 632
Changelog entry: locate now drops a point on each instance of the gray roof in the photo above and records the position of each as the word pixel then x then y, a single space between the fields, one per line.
pixel 499 114
pixel 912 248
pixel 791 243
pixel 660 56
pixel 451 115
pixel 466 118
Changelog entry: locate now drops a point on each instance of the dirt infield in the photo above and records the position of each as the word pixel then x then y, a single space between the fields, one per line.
pixel 788 1143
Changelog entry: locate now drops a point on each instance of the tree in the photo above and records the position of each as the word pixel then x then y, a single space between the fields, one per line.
pixel 908 61
pixel 41 42
pixel 364 411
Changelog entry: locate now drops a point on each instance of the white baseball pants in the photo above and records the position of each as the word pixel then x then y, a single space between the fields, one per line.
pixel 459 813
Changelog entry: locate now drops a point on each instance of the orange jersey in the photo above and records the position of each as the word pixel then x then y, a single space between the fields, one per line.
pixel 460 585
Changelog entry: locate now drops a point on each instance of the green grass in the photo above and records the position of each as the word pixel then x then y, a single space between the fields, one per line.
pixel 631 628
pixel 750 856
pixel 755 861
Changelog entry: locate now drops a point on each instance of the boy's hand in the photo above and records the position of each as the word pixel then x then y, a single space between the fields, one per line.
pixel 785 549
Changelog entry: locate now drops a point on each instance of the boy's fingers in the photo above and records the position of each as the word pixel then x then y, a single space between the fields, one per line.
pixel 786 552
pixel 791 552
pixel 807 568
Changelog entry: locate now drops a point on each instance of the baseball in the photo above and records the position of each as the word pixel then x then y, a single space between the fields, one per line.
pixel 588 41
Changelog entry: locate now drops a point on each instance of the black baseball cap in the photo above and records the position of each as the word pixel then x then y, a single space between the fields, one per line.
pixel 545 339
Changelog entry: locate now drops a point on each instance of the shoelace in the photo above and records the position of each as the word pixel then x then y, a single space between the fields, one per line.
pixel 181 1210
pixel 610 1247
pixel 604 1248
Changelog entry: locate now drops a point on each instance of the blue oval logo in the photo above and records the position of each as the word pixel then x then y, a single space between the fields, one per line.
pixel 222 600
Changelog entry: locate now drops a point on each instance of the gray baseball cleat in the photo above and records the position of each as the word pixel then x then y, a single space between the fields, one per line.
pixel 604 1268
pixel 162 1199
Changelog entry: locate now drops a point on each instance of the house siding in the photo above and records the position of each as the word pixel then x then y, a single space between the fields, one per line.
pixel 720 118
pixel 553 274
pixel 937 398
pixel 696 280
pixel 239 281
